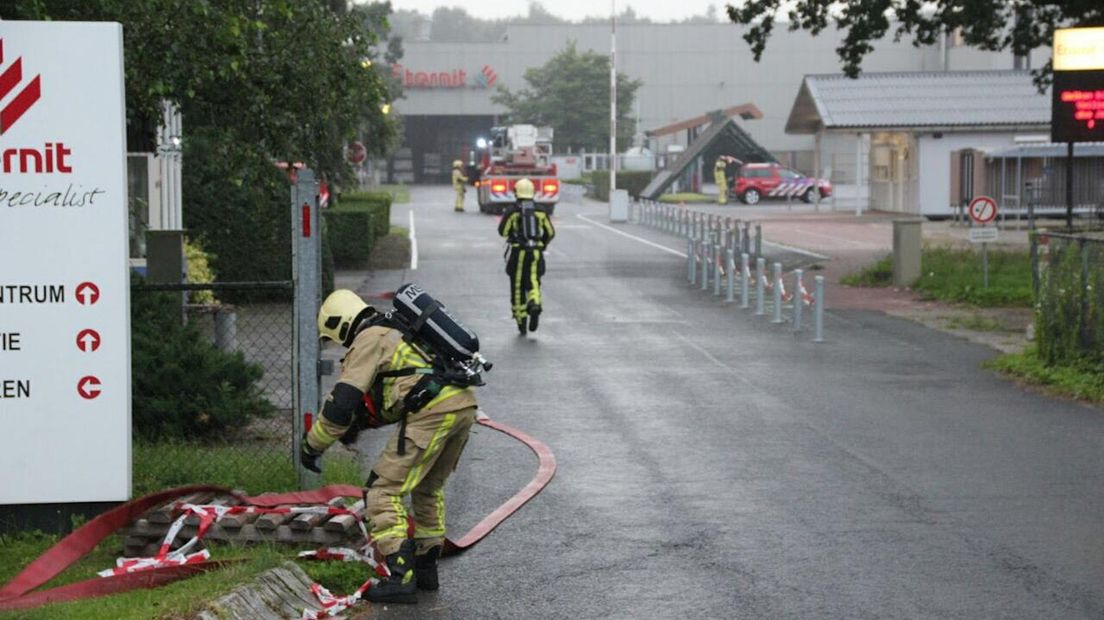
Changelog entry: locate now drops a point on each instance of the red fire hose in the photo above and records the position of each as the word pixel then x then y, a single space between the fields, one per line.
pixel 17 593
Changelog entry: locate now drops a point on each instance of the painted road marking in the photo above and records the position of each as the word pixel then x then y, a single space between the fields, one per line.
pixel 633 237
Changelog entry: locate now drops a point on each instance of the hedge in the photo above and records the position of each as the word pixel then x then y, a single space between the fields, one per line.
pixel 354 223
pixel 633 180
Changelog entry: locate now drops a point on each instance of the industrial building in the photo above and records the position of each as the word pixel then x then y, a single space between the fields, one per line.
pixel 689 69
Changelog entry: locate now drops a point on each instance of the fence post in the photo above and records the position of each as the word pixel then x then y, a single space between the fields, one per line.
pixel 818 310
pixel 705 264
pixel 717 254
pixel 691 259
pixel 730 264
pixel 760 267
pixel 777 290
pixel 307 277
pixel 799 299
pixel 745 272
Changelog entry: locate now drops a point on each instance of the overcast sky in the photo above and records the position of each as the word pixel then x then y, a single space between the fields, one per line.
pixel 657 10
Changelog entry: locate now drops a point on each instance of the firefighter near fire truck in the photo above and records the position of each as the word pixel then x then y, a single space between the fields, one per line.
pixel 528 231
pixel 414 367
pixel 720 177
pixel 459 180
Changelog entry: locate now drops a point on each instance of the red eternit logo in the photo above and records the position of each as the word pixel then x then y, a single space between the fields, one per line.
pixel 9 80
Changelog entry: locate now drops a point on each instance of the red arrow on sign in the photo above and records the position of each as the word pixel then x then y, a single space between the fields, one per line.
pixel 87 293
pixel 88 340
pixel 88 387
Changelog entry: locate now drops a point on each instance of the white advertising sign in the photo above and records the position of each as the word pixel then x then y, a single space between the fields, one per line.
pixel 64 284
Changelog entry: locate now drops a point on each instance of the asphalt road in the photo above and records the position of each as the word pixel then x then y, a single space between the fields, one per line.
pixel 712 465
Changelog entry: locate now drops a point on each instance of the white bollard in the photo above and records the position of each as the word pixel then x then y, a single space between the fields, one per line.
pixel 705 264
pixel 799 299
pixel 691 260
pixel 717 269
pixel 745 273
pixel 818 310
pixel 730 264
pixel 777 290
pixel 760 268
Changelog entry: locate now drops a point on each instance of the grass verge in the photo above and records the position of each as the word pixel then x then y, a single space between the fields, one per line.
pixel 688 198
pixel 955 275
pixel 400 194
pixel 192 463
pixel 182 599
pixel 1082 382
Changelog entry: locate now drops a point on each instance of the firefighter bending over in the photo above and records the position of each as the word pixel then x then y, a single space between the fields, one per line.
pixel 458 181
pixel 528 230
pixel 373 391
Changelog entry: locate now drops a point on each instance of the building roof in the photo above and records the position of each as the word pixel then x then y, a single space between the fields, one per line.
pixel 724 136
pixel 946 99
pixel 1084 149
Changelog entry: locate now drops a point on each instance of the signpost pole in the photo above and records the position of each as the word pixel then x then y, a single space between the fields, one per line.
pixel 984 265
pixel 1069 187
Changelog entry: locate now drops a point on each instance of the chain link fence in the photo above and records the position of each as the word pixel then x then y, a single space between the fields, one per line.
pixel 213 385
pixel 1069 293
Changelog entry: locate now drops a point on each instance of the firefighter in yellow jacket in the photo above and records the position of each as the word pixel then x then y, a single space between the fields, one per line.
pixel 419 456
pixel 458 181
pixel 528 230
pixel 721 179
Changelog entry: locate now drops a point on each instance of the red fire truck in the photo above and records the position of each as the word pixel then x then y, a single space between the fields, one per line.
pixel 512 153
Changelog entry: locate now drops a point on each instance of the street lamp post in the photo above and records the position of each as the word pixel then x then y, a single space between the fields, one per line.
pixel 613 100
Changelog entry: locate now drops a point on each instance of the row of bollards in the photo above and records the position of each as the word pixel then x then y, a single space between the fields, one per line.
pixel 712 245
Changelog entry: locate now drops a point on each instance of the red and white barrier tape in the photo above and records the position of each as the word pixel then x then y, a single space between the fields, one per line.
pixel 18 592
pixel 805 296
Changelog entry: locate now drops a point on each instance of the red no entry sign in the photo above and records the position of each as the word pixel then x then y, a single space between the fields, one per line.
pixel 983 210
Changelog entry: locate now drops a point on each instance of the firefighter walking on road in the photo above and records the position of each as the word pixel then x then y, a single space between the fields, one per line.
pixel 459 179
pixel 528 230
pixel 720 177
pixel 377 387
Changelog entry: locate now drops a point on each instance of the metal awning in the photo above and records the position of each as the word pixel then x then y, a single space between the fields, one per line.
pixel 725 137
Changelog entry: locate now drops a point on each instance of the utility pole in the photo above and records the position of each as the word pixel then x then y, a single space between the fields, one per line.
pixel 613 99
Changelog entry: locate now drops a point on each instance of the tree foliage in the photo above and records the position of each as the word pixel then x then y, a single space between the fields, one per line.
pixel 257 81
pixel 993 25
pixel 571 93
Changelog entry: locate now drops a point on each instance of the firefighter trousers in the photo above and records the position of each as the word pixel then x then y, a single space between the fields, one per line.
pixel 434 442
pixel 459 197
pixel 525 266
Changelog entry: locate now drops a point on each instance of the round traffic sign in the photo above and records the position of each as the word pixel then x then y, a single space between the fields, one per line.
pixel 983 209
pixel 356 153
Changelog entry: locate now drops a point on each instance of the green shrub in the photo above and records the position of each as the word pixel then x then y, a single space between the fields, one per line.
pixel 875 275
pixel 1070 307
pixel 184 387
pixel 632 180
pixel 354 223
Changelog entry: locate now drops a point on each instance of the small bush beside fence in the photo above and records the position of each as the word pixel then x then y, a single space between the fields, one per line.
pixel 1069 320
pixel 353 225
pixel 632 180
pixel 212 385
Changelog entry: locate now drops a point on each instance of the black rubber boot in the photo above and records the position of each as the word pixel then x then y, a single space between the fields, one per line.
pixel 425 566
pixel 534 311
pixel 402 585
pixel 521 323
